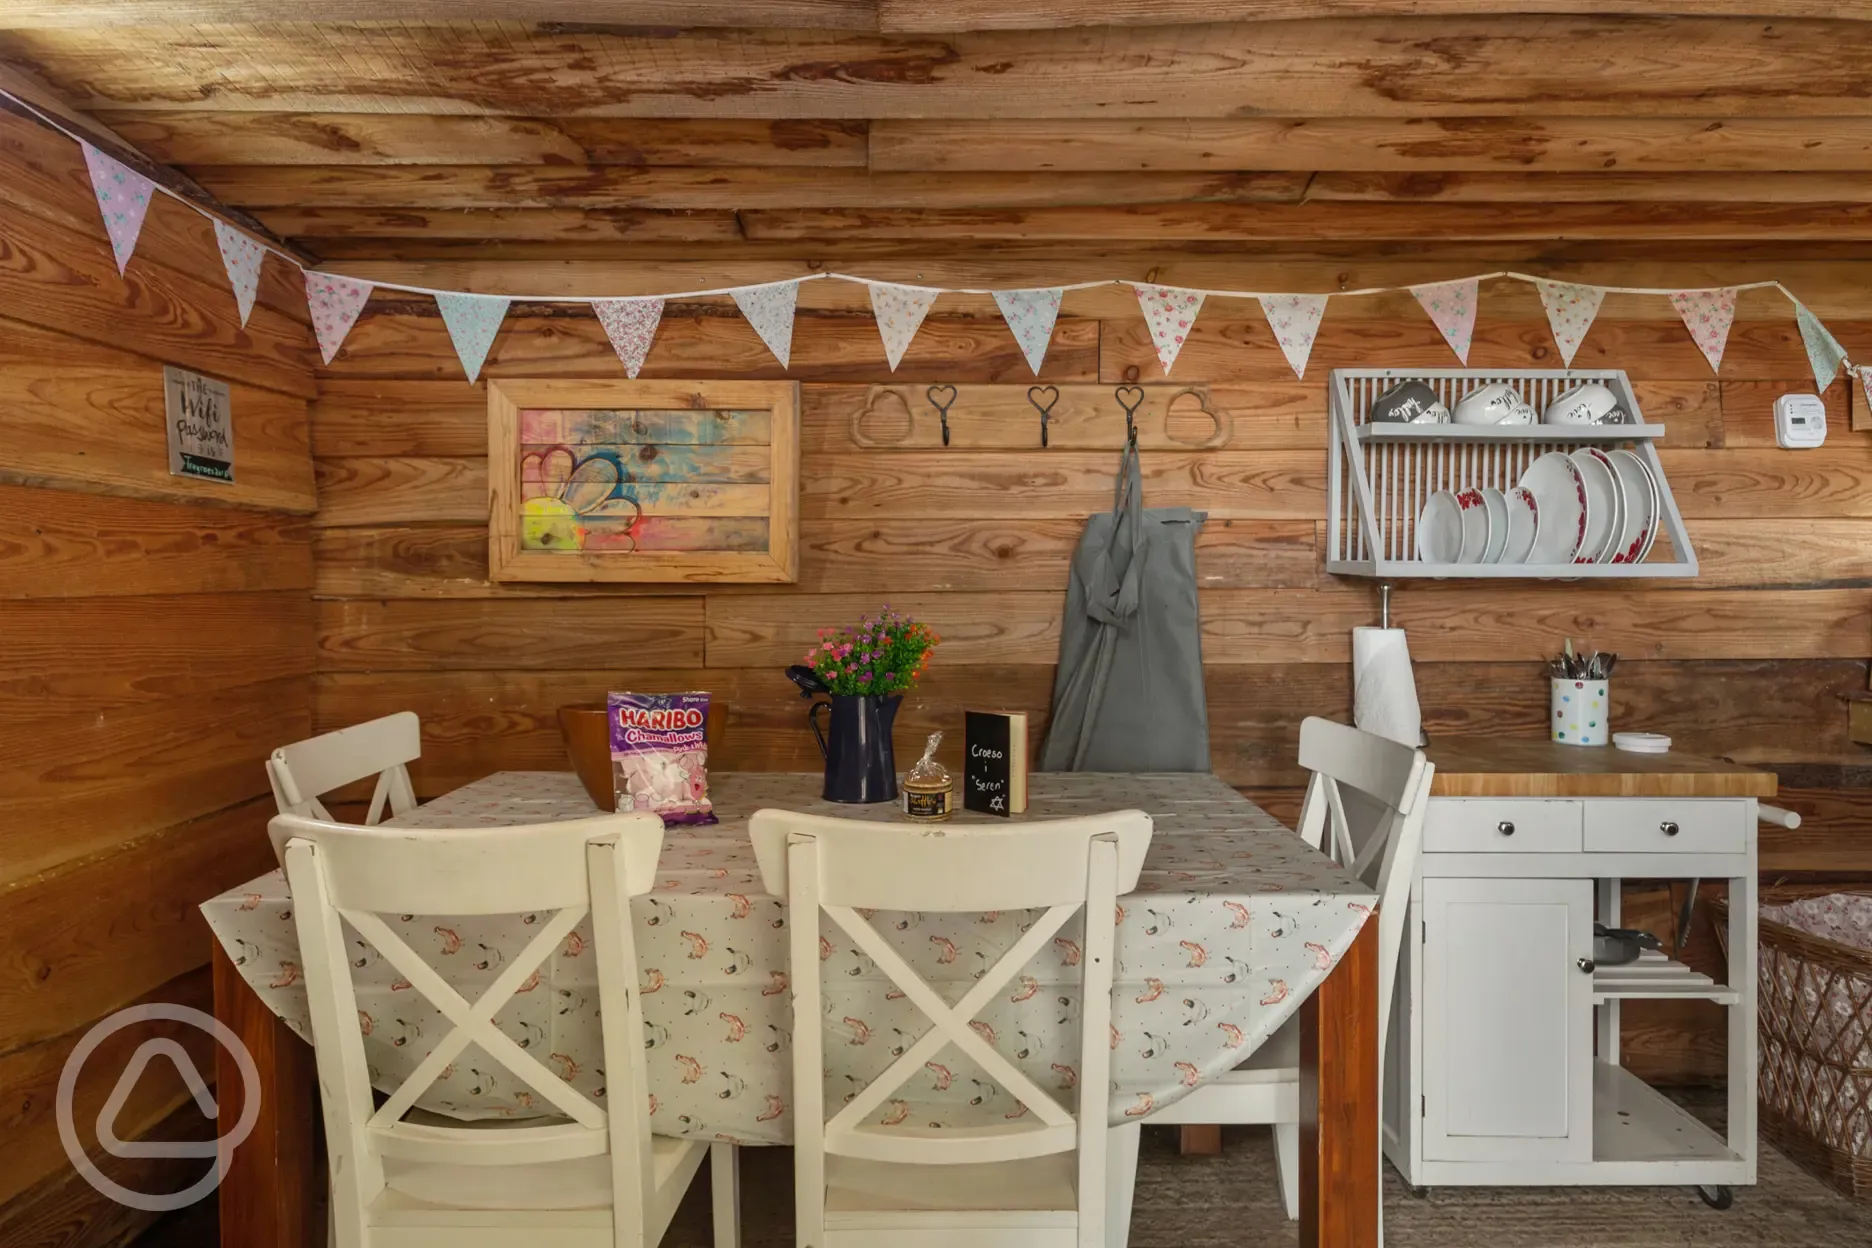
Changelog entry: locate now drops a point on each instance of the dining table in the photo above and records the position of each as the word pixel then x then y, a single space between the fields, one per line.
pixel 1235 926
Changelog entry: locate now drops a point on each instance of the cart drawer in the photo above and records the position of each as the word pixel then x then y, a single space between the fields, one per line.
pixel 1497 825
pixel 1683 825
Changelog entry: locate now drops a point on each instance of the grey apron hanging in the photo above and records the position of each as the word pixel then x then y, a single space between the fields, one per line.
pixel 1129 692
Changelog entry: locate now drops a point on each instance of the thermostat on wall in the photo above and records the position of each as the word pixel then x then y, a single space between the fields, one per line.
pixel 1800 421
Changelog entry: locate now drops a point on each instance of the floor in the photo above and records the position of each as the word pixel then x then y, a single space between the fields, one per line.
pixel 1231 1200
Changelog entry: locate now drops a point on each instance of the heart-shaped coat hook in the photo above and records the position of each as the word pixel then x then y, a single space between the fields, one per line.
pixel 1043 399
pixel 1130 398
pixel 942 397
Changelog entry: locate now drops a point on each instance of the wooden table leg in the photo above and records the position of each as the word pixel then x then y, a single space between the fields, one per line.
pixel 1339 1111
pixel 269 1195
pixel 1199 1139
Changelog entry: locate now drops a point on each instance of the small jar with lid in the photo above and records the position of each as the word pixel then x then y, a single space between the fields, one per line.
pixel 928 788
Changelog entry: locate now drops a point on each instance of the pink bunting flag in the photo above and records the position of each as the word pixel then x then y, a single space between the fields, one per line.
pixel 335 303
pixel 1170 311
pixel 472 322
pixel 900 311
pixel 1570 313
pixel 769 309
pixel 242 257
pixel 1452 309
pixel 1707 314
pixel 1295 320
pixel 1030 314
pixel 123 197
pixel 631 325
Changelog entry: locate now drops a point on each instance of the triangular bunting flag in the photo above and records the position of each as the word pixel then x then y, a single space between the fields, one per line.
pixel 1030 315
pixel 1452 309
pixel 1295 320
pixel 1707 314
pixel 900 311
pixel 242 257
pixel 123 197
pixel 1570 313
pixel 335 303
pixel 472 322
pixel 631 325
pixel 769 309
pixel 1824 352
pixel 1170 311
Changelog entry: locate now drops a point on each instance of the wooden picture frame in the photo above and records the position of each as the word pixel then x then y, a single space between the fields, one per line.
pixel 648 481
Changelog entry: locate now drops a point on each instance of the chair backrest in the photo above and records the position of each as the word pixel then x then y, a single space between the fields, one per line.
pixel 303 772
pixel 566 871
pixel 840 866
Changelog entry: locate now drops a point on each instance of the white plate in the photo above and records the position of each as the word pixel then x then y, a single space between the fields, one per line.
pixel 1477 530
pixel 1555 484
pixel 1440 529
pixel 1498 524
pixel 1602 504
pixel 1640 506
pixel 1523 525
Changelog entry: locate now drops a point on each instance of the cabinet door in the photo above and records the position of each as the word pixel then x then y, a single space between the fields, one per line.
pixel 1507 1020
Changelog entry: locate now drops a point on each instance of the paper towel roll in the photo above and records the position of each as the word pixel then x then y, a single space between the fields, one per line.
pixel 1384 692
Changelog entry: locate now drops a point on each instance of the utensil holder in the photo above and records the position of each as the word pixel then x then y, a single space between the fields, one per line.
pixel 1581 711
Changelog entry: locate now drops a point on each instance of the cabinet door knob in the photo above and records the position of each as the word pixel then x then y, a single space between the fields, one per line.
pixel 1587 965
pixel 1505 827
pixel 1668 828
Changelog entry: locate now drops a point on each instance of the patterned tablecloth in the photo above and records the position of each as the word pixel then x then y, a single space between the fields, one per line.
pixel 1234 921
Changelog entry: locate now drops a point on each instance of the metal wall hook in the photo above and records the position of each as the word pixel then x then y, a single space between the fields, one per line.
pixel 942 397
pixel 1130 398
pixel 1051 396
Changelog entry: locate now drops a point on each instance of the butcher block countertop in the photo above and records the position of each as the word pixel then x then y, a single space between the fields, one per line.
pixel 1529 767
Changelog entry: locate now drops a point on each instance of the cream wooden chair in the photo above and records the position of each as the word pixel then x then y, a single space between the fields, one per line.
pixel 1371 794
pixel 593 1177
pixel 303 772
pixel 1037 1183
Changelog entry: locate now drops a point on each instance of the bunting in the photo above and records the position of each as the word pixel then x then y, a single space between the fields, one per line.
pixel 1170 311
pixel 1707 314
pixel 769 309
pixel 1295 320
pixel 1452 309
pixel 1824 352
pixel 335 303
pixel 472 322
pixel 631 325
pixel 1570 313
pixel 242 257
pixel 123 197
pixel 899 311
pixel 1030 315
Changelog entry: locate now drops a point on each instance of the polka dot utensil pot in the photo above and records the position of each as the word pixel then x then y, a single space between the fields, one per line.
pixel 1580 711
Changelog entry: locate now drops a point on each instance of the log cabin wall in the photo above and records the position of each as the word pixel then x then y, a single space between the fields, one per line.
pixel 158 640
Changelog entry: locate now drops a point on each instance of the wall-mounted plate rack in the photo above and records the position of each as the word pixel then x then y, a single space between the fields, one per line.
pixel 1380 475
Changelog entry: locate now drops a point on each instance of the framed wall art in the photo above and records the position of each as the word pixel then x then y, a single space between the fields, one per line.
pixel 694 481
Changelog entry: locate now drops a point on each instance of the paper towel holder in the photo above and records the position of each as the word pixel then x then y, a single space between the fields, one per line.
pixel 1384 604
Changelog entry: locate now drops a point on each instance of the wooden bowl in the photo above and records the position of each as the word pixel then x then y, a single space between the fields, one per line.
pixel 588 744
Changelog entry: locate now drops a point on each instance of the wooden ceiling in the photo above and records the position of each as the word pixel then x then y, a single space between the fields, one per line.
pixel 816 131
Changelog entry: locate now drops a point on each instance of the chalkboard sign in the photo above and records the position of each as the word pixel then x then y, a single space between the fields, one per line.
pixel 200 418
pixel 994 773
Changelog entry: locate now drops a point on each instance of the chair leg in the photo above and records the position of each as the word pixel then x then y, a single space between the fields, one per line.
pixel 1287 1165
pixel 1121 1158
pixel 725 1188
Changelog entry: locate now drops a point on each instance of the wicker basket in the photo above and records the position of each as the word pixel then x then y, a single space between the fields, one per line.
pixel 1815 1017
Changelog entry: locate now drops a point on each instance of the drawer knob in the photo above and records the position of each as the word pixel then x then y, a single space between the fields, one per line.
pixel 1588 965
pixel 1668 827
pixel 1505 827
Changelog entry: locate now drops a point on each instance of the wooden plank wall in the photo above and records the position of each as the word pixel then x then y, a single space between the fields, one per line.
pixel 1751 660
pixel 158 641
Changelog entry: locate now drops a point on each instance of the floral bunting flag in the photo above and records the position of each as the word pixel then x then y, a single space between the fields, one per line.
pixel 631 325
pixel 900 311
pixel 1570 312
pixel 1295 320
pixel 1824 352
pixel 769 309
pixel 1170 311
pixel 472 322
pixel 335 303
pixel 242 257
pixel 123 197
pixel 1707 314
pixel 1030 315
pixel 1452 309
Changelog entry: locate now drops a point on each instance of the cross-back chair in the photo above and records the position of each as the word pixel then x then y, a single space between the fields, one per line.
pixel 305 771
pixel 1039 1181
pixel 593 1177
